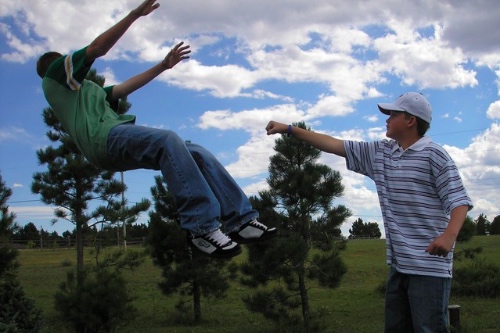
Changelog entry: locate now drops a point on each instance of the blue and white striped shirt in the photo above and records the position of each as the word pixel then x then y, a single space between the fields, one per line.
pixel 417 189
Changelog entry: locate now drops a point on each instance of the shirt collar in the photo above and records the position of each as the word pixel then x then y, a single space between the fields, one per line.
pixel 420 144
pixel 417 146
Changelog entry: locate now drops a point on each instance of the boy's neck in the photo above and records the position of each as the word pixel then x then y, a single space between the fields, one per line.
pixel 407 142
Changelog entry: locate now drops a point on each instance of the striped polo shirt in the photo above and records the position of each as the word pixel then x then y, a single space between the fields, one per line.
pixel 417 189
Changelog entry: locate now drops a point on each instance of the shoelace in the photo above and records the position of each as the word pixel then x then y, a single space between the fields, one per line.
pixel 258 224
pixel 219 237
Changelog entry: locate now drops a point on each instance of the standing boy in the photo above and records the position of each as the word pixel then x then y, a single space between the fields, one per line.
pixel 205 195
pixel 424 205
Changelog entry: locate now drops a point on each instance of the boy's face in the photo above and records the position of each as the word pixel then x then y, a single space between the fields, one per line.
pixel 397 125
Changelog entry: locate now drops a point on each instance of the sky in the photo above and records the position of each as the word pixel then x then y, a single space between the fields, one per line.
pixel 325 62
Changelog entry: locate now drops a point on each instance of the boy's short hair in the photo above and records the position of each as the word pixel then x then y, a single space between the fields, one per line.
pixel 45 60
pixel 422 125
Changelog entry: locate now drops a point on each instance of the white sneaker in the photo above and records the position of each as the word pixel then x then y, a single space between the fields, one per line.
pixel 214 244
pixel 253 231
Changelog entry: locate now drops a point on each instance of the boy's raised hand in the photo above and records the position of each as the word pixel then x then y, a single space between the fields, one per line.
pixel 146 8
pixel 176 55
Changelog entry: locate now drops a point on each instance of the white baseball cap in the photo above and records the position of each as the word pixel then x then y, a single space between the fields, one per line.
pixel 411 102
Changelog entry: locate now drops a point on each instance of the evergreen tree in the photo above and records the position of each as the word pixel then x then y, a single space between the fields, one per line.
pixel 361 229
pixel 184 272
pixel 7 224
pixel 467 231
pixel 299 202
pixel 17 312
pixel 28 232
pixel 100 303
pixel 482 225
pixel 71 184
pixel 495 226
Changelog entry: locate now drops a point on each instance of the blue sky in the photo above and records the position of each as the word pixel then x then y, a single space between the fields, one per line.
pixel 323 62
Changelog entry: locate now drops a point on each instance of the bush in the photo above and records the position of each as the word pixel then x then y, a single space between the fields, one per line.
pixel 478 279
pixel 66 263
pixel 17 312
pixel 100 304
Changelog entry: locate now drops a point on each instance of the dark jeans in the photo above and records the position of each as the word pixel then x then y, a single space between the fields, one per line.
pixel 416 303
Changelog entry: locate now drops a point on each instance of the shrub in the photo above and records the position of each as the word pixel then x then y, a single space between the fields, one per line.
pixel 100 304
pixel 66 263
pixel 478 279
pixel 17 312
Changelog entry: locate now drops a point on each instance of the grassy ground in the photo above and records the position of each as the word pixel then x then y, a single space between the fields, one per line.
pixel 354 307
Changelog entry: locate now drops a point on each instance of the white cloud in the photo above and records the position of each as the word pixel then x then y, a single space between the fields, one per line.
pixel 494 110
pixel 255 188
pixel 479 165
pixel 110 77
pixel 433 64
pixel 30 213
pixel 252 121
pixel 253 157
pixel 262 94
pixel 371 119
pixel 16 134
pixel 220 81
pixel 330 106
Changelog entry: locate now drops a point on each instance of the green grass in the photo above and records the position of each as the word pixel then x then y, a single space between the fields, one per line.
pixel 354 307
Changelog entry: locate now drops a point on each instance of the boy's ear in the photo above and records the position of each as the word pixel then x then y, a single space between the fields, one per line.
pixel 412 121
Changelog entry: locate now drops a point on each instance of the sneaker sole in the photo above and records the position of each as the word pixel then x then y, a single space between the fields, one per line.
pixel 220 255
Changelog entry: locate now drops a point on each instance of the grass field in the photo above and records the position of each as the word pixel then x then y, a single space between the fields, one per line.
pixel 354 307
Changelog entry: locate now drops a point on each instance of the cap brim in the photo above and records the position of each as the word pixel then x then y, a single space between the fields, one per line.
pixel 386 108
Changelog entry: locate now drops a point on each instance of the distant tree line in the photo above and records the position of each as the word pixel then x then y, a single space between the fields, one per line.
pixel 480 227
pixel 485 227
pixel 114 234
pixel 30 235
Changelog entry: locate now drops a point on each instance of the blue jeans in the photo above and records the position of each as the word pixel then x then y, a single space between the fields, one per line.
pixel 204 193
pixel 416 303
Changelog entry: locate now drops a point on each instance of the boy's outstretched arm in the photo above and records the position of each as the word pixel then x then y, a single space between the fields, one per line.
pixel 104 42
pixel 176 55
pixel 323 142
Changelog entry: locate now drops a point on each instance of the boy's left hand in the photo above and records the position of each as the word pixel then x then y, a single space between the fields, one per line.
pixel 441 246
pixel 176 55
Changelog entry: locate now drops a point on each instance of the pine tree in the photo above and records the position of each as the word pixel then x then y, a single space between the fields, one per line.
pixel 299 202
pixel 17 312
pixel 467 231
pixel 7 224
pixel 71 184
pixel 495 226
pixel 482 225
pixel 184 272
